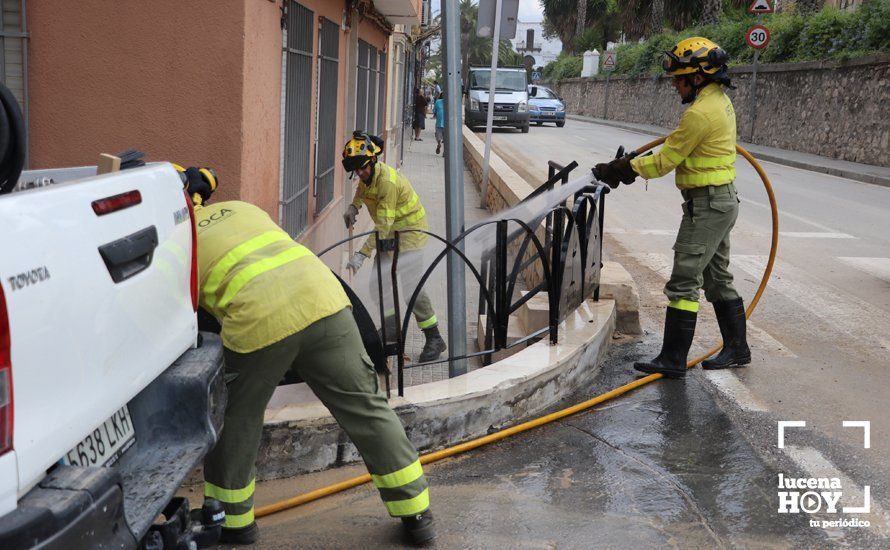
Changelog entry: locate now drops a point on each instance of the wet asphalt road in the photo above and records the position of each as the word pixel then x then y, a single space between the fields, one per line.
pixel 664 466
pixel 819 337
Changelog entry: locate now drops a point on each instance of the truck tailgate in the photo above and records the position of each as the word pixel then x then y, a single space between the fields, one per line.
pixel 119 286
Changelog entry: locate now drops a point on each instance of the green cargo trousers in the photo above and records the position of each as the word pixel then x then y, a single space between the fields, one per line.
pixel 329 356
pixel 701 253
pixel 410 269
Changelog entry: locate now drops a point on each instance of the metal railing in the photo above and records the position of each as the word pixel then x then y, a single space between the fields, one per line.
pixel 565 263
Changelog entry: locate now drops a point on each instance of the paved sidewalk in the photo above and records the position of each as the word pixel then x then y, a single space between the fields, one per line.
pixel 877 175
pixel 426 171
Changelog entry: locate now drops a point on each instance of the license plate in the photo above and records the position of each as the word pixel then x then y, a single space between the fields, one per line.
pixel 499 118
pixel 104 445
pixel 548 113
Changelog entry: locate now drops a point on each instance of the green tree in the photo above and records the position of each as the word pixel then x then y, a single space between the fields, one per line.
pixel 711 10
pixel 477 50
pixel 561 20
pixel 656 17
pixel 635 18
pixel 681 13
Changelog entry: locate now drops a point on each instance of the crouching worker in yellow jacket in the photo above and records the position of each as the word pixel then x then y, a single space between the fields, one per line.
pixel 394 206
pixel 281 309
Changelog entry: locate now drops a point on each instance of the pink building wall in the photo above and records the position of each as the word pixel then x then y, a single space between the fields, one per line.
pixel 165 77
pixel 261 107
pixel 197 83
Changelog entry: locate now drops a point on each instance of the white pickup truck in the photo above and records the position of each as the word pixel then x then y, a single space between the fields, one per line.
pixel 109 396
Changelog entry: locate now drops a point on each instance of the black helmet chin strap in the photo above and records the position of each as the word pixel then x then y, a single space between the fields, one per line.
pixel 690 81
pixel 720 77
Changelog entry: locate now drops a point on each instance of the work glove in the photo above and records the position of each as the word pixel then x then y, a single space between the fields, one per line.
pixel 616 171
pixel 200 183
pixel 350 216
pixel 355 263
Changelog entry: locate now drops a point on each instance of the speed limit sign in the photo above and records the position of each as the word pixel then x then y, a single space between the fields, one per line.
pixel 757 37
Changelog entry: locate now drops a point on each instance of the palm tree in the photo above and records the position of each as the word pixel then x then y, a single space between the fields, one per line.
pixel 656 17
pixel 561 18
pixel 477 50
pixel 635 18
pixel 582 20
pixel 468 14
pixel 682 13
pixel 711 10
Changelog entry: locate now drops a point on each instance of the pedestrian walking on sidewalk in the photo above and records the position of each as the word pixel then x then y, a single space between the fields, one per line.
pixel 281 309
pixel 439 113
pixel 703 151
pixel 394 206
pixel 420 105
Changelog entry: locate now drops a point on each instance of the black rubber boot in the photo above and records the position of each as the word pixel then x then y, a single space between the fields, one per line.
pixel 433 346
pixel 242 535
pixel 679 328
pixel 735 352
pixel 420 528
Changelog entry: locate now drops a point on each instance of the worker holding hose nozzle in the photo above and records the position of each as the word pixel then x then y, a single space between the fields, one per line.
pixel 281 310
pixel 702 149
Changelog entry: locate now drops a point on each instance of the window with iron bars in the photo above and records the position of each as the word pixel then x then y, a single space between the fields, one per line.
pixel 370 89
pixel 14 51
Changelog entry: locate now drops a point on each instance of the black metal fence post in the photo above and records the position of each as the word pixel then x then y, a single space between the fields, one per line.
pixel 400 343
pixel 378 259
pixel 556 272
pixel 502 309
pixel 601 206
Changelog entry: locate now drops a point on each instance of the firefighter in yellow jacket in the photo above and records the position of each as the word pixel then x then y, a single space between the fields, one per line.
pixel 282 309
pixel 702 150
pixel 394 206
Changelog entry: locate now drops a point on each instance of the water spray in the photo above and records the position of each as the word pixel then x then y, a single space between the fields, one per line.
pixel 546 419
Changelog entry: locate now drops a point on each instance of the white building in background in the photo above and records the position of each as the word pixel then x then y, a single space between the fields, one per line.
pixel 530 41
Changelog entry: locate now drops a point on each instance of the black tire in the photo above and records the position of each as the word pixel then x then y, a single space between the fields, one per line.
pixel 12 157
pixel 524 129
pixel 560 124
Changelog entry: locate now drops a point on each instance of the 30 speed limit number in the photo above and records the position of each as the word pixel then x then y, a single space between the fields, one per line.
pixel 757 37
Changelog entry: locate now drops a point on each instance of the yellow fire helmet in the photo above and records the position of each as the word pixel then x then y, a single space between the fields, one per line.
pixel 359 151
pixel 695 55
pixel 206 174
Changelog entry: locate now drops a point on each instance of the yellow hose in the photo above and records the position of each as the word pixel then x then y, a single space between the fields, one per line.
pixel 546 419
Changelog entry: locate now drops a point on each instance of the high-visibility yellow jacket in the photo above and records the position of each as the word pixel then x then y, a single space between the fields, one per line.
pixel 702 148
pixel 393 206
pixel 258 282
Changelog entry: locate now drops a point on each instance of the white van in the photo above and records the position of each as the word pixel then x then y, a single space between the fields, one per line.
pixel 510 98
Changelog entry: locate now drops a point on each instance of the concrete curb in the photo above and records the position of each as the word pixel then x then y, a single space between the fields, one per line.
pixel 302 436
pixel 876 175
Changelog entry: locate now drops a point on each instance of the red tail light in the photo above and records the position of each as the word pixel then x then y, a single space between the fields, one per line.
pixel 117 202
pixel 193 281
pixel 6 406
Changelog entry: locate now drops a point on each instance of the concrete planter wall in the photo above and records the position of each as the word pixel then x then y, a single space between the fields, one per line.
pixel 837 110
pixel 505 189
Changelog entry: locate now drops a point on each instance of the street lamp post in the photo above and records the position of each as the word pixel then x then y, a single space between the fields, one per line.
pixel 454 188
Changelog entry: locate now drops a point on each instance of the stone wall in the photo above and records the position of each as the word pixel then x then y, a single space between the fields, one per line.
pixel 837 110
